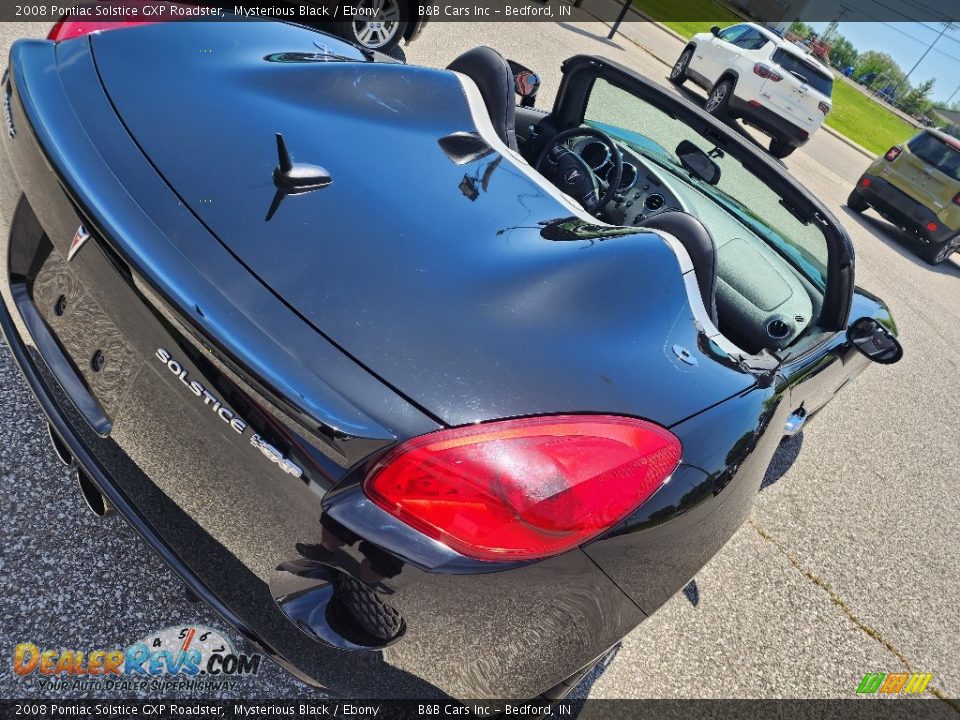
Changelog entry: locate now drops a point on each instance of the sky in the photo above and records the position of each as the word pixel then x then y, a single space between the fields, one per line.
pixel 905 42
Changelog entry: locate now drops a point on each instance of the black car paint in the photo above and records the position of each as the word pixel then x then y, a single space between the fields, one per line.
pixel 485 257
pixel 225 518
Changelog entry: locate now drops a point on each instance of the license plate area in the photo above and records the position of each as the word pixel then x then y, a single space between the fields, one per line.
pixel 102 358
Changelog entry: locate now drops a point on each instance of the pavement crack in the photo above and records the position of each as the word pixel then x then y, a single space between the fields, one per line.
pixel 848 611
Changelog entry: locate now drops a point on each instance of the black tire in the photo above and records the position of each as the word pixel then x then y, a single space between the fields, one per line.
pixel 780 148
pixel 856 202
pixel 936 253
pixel 382 32
pixel 374 616
pixel 678 74
pixel 719 99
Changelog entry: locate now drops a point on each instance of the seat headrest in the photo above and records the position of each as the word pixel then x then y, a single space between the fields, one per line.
pixel 492 75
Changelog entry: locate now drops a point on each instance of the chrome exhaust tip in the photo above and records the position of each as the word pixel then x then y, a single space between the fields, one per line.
pixel 59 446
pixel 98 504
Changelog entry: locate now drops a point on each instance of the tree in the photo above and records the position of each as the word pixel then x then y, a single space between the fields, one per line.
pixel 917 100
pixel 842 52
pixel 800 28
pixel 883 68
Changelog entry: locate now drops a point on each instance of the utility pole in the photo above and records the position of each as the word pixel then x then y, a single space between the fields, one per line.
pixel 832 27
pixel 944 26
pixel 951 96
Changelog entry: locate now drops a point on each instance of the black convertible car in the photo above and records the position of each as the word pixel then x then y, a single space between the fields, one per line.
pixel 427 393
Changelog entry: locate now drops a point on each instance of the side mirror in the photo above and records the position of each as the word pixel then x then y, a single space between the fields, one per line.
pixel 715 30
pixel 697 162
pixel 525 83
pixel 874 340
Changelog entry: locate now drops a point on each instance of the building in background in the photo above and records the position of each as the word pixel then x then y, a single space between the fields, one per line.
pixel 949 117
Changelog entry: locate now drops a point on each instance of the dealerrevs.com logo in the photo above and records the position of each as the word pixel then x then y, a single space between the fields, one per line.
pixel 194 658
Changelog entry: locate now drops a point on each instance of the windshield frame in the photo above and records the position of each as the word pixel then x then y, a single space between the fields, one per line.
pixel 665 160
pixel 581 71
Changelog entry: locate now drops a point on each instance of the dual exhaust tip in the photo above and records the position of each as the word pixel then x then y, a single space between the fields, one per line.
pixel 95 500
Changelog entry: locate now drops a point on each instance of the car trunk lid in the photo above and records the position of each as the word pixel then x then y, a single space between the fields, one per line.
pixel 433 270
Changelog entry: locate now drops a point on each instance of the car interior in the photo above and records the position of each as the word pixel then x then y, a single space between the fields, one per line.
pixel 760 270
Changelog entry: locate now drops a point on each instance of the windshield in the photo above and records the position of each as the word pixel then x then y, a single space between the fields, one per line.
pixel 652 133
pixel 804 71
pixel 936 152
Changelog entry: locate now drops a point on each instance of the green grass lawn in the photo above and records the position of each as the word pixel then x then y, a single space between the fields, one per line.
pixel 669 9
pixel 858 117
pixel 864 121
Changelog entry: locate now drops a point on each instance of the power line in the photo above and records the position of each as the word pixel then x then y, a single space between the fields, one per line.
pixel 914 11
pixel 929 11
pixel 922 42
pixel 946 26
pixel 892 26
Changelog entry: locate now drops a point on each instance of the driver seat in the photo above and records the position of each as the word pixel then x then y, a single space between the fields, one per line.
pixel 700 246
pixel 492 75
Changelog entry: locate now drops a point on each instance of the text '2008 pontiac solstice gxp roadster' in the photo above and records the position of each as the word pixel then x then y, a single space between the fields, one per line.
pixel 427 392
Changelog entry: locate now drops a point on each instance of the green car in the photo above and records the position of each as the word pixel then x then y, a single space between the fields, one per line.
pixel 917 187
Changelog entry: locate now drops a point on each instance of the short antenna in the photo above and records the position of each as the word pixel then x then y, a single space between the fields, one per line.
pixel 286 162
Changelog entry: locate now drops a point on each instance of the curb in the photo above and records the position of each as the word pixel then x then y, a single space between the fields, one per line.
pixel 847 141
pixel 664 28
pixel 668 31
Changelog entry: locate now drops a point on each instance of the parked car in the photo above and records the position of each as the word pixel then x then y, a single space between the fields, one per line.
pixel 759 77
pixel 422 403
pixel 381 24
pixel 916 186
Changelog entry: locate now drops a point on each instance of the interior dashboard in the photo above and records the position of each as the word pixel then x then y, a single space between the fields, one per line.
pixel 762 301
pixel 642 192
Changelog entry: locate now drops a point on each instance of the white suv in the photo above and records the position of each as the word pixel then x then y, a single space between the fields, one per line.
pixel 754 74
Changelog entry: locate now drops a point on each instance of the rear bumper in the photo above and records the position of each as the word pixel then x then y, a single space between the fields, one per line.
pixel 409 671
pixel 69 429
pixel 902 210
pixel 768 121
pixel 262 547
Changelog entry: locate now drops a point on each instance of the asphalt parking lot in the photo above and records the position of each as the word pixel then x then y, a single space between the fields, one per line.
pixel 849 564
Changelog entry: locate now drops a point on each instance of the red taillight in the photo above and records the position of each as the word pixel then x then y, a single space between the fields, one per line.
pixel 932 226
pixel 893 153
pixel 767 73
pixel 70 28
pixel 66 29
pixel 865 182
pixel 524 489
pixel 824 107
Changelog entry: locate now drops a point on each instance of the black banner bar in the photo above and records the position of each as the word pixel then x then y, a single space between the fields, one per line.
pixel 317 11
pixel 854 709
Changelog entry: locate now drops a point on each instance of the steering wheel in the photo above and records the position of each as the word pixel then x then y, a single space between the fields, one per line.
pixel 570 172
